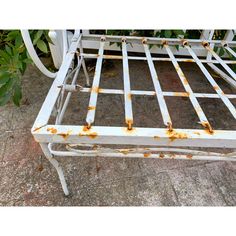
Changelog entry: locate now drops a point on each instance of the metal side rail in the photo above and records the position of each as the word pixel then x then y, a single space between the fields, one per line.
pixel 88 139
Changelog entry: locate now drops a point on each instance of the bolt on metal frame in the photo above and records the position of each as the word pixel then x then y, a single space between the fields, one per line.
pixel 166 141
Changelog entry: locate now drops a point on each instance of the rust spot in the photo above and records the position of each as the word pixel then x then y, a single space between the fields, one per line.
pixel 91 135
pixel 207 127
pixel 86 128
pixel 176 135
pixel 184 42
pixel 196 133
pixel 91 108
pixel 185 81
pixel 216 87
pixel 65 135
pixel 156 137
pixel 52 130
pixel 36 129
pixel 161 155
pixel 188 60
pixel 189 156
pixel 164 42
pixel 144 40
pixel 124 151
pixel 205 44
pixel 129 123
pixel 129 96
pixel 169 126
pixel 95 89
pixel 172 155
pixel 146 154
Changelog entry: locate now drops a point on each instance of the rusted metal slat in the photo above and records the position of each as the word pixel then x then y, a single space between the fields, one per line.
pixel 227 68
pixel 203 119
pixel 117 57
pixel 159 94
pixel 153 93
pixel 226 101
pixel 127 93
pixel 95 87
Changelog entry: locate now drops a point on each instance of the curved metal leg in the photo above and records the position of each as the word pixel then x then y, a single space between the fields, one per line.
pixel 57 166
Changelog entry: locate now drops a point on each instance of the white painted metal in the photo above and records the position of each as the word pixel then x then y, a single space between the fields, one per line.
pixel 94 92
pixel 187 87
pixel 127 94
pixel 159 94
pixel 30 48
pixel 166 141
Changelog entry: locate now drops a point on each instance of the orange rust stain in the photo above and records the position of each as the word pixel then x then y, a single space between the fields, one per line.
pixel 196 133
pixel 172 155
pixel 129 123
pixel 185 81
pixel 161 155
pixel 36 129
pixel 216 87
pixel 91 135
pixel 65 135
pixel 176 135
pixel 129 96
pixel 91 108
pixel 208 128
pixel 183 94
pixel 95 89
pixel 188 60
pixel 86 128
pixel 124 151
pixel 146 154
pixel 52 130
pixel 189 156
pixel 156 137
pixel 169 126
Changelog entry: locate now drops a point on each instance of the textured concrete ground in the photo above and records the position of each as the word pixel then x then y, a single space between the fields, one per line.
pixel 27 178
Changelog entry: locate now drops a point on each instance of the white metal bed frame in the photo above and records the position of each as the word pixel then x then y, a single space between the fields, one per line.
pixel 159 142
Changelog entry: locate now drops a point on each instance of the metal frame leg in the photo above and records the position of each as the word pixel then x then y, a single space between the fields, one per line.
pixel 57 166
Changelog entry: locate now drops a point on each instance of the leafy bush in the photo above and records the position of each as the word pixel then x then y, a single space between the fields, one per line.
pixel 14 60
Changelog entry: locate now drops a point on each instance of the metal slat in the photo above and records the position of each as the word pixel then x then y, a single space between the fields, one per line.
pixel 117 57
pixel 159 94
pixel 153 93
pixel 213 83
pixel 230 50
pixel 127 93
pixel 203 119
pixel 95 87
pixel 227 68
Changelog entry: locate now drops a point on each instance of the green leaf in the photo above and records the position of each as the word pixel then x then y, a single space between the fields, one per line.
pixel 37 36
pixel 42 46
pixel 17 95
pixel 177 47
pixel 7 87
pixel 5 56
pixel 167 33
pixel 178 32
pixel 8 50
pixel 221 52
pixel 5 99
pixel 4 77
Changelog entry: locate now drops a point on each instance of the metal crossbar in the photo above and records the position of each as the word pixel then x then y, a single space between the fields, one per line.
pixel 166 140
